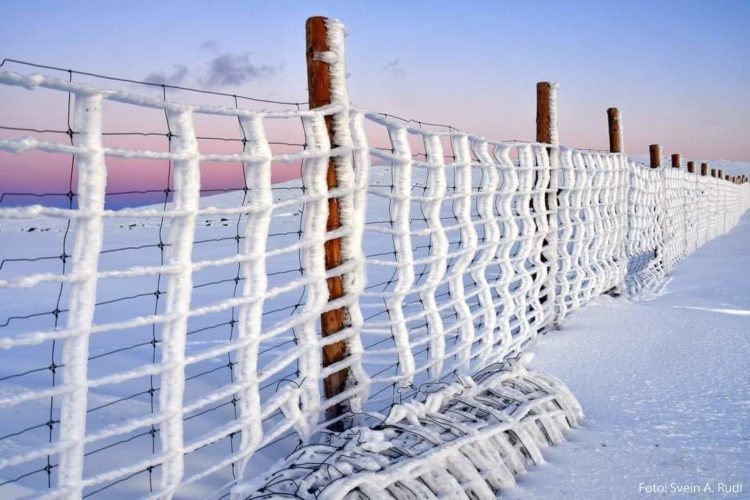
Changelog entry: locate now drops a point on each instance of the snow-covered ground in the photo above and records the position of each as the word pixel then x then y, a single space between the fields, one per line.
pixel 663 384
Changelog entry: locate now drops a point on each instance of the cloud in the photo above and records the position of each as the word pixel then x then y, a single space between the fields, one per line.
pixel 234 69
pixel 210 46
pixel 394 68
pixel 224 70
pixel 176 77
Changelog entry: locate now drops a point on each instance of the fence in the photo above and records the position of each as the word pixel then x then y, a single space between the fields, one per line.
pixel 180 346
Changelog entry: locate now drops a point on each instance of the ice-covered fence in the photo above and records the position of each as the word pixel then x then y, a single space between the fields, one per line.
pixel 187 351
pixel 671 214
pixel 186 360
pixel 455 268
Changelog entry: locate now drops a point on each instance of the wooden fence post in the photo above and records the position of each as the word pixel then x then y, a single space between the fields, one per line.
pixel 713 172
pixel 655 152
pixel 691 167
pixel 546 113
pixel 704 169
pixel 676 160
pixel 720 173
pixel 319 92
pixel 615 130
pixel 546 132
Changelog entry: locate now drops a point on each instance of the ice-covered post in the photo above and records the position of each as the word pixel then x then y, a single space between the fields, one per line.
pixel 615 130
pixel 704 169
pixel 546 133
pixel 676 160
pixel 322 92
pixel 713 172
pixel 691 167
pixel 546 113
pixel 655 152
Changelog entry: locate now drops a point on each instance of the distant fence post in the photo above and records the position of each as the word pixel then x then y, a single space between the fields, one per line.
pixel 655 153
pixel 713 172
pixel 691 167
pixel 616 145
pixel 546 132
pixel 320 94
pixel 704 169
pixel 615 130
pixel 676 160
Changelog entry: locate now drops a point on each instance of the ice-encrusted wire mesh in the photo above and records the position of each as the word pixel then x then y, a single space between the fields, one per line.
pixel 173 389
pixel 592 210
pixel 474 246
pixel 671 214
pixel 182 340
pixel 438 301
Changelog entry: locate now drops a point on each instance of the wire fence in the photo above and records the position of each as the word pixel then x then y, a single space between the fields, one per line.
pixel 42 243
pixel 163 282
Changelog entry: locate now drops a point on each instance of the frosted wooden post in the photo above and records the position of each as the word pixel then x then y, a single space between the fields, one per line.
pixel 546 132
pixel 319 92
pixel 615 130
pixel 691 167
pixel 676 160
pixel 720 173
pixel 655 152
pixel 713 172
pixel 704 169
pixel 546 113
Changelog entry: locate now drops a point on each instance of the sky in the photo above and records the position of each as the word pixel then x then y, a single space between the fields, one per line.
pixel 679 70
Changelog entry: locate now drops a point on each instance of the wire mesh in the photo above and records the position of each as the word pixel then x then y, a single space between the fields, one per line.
pixel 133 272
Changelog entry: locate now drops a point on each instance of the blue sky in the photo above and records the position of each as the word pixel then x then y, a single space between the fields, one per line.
pixel 679 70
